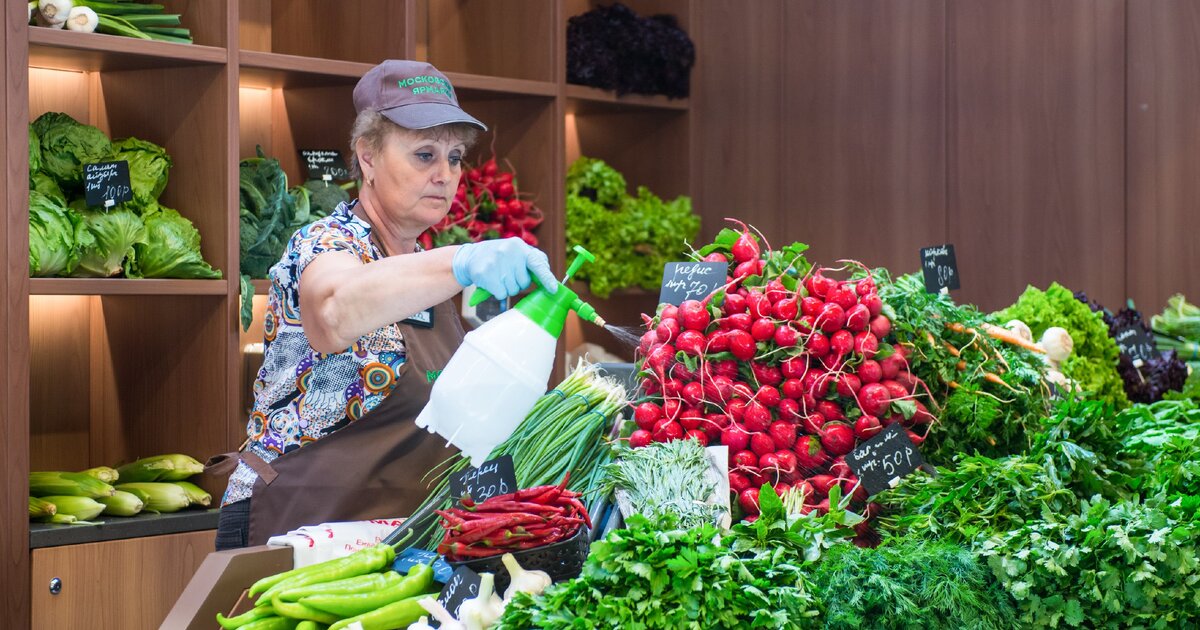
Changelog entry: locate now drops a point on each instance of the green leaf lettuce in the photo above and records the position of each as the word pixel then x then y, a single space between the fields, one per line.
pixel 67 145
pixel 171 248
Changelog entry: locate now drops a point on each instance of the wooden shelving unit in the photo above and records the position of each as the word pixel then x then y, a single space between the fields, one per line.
pixel 101 371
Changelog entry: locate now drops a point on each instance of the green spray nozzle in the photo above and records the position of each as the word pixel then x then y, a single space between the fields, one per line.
pixel 549 310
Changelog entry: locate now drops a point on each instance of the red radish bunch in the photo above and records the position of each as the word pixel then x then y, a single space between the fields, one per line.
pixel 786 366
pixel 486 206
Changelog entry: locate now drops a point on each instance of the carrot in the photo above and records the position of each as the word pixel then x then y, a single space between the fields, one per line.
pixel 1006 336
pixel 992 378
pixel 962 365
pixel 950 347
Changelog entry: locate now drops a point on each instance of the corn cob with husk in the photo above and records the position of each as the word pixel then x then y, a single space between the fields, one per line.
pixel 195 493
pixel 160 496
pixel 43 484
pixel 122 503
pixel 82 508
pixel 173 467
pixel 103 473
pixel 41 508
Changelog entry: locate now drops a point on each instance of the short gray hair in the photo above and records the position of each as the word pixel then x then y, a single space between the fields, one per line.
pixel 373 128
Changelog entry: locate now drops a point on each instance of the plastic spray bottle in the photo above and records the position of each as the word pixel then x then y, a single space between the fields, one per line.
pixel 502 368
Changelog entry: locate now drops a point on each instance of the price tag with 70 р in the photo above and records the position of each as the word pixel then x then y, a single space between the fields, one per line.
pixel 883 460
pixel 684 281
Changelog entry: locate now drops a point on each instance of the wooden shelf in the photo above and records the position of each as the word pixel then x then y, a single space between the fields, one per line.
pixel 605 98
pixel 125 286
pixel 67 50
pixel 121 527
pixel 266 69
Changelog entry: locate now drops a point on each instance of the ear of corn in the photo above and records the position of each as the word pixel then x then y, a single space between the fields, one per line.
pixel 82 508
pixel 41 508
pixel 43 484
pixel 61 519
pixel 173 467
pixel 161 497
pixel 103 473
pixel 122 503
pixel 195 493
pixel 141 495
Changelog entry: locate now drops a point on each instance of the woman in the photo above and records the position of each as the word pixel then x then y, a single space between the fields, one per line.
pixel 347 365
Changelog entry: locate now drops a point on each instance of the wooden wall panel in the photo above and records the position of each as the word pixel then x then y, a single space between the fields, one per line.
pixel 1163 166
pixel 862 163
pixel 1036 146
pixel 737 112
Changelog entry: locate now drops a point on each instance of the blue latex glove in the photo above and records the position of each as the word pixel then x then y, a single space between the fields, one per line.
pixel 502 267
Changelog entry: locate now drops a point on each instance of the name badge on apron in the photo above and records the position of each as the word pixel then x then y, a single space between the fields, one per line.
pixel 424 319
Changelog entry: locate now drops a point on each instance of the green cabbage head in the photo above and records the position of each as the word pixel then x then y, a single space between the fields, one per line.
pixel 114 234
pixel 55 235
pixel 148 166
pixel 67 145
pixel 171 248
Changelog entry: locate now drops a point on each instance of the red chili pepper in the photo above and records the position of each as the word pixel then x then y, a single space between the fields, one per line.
pixel 524 506
pixel 578 505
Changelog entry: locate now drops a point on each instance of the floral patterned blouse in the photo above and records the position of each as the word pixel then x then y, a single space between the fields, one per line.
pixel 302 395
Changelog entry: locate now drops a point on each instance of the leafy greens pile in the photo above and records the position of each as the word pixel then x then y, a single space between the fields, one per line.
pixel 140 238
pixel 631 236
pixel 1162 373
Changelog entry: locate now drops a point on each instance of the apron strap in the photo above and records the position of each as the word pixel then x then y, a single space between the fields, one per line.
pixel 221 465
pixel 260 466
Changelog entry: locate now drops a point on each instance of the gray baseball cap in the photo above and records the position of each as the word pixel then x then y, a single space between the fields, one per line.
pixel 412 94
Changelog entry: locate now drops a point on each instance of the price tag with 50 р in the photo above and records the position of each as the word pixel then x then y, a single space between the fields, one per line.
pixel 883 460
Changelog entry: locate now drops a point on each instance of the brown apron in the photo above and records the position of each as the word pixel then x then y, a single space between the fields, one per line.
pixel 370 468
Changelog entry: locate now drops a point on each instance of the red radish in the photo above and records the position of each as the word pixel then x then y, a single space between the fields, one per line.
pixel 857 318
pixel 916 438
pixel 735 437
pixel 895 389
pixel 837 438
pixel 759 305
pixel 844 298
pixel 922 416
pixel 811 306
pixel 793 367
pixel 864 287
pixel 767 374
pixel 894 418
pixel 769 463
pixel 716 419
pixel 712 432
pixel 820 286
pixel 738 321
pixel 745 459
pixel 746 246
pixel 812 423
pixel 736 409
pixel 734 304
pixel 907 381
pixel 672 387
pixel 693 315
pixel 717 342
pixel 806 324
pixel 823 507
pixel 661 358
pixel 866 344
pixel 646 414
pixel 841 342
pixel 776 291
pixel 763 329
pixel 782 432
pixel 839 468
pixel 874 399
pixel 830 410
pixel 822 483
pixel 881 326
pixel 817 345
pixel 669 311
pixel 791 387
pixel 691 342
pixel 761 444
pixel 651 387
pixel 816 382
pixel 718 389
pixel 867 427
pixel 738 481
pixel 716 257
pixel 805 489
pixel 748 499
pixel 746 269
pixel 691 419
pixel 847 386
pixel 727 368
pixel 872 511
pixel 647 342
pixel 873 303
pixel 851 488
pixel 668 431
pixel 640 438
pixel 787 309
pixel 782 488
pixel 681 372
pixel 757 417
pixel 809 454
pixel 698 435
pixel 787 460
pixel 893 365
pixel 768 396
pixel 785 336
pixel 789 409
pixel 831 318
pixel 869 371
pixel 808 403
pixel 834 361
pixel 742 345
pixel 742 391
pixel 671 408
pixel 756 476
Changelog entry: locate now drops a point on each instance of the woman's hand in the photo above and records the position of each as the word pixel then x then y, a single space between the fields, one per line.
pixel 502 267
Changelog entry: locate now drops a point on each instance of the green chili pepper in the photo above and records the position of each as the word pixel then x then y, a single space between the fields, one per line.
pixel 418 580
pixel 271 623
pixel 361 562
pixel 358 584
pixel 233 623
pixel 301 611
pixel 395 615
pixel 309 625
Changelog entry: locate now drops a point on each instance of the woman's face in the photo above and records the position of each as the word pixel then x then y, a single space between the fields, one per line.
pixel 416 176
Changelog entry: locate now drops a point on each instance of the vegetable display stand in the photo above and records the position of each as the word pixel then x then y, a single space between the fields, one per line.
pixel 220 583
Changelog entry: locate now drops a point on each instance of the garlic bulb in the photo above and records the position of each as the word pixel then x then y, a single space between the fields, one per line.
pixel 1017 326
pixel 1058 345
pixel 532 582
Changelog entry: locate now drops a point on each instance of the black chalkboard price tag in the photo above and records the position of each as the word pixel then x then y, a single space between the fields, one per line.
pixel 493 478
pixel 106 184
pixel 1134 341
pixel 463 585
pixel 412 556
pixel 684 281
pixel 883 460
pixel 326 164
pixel 939 268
